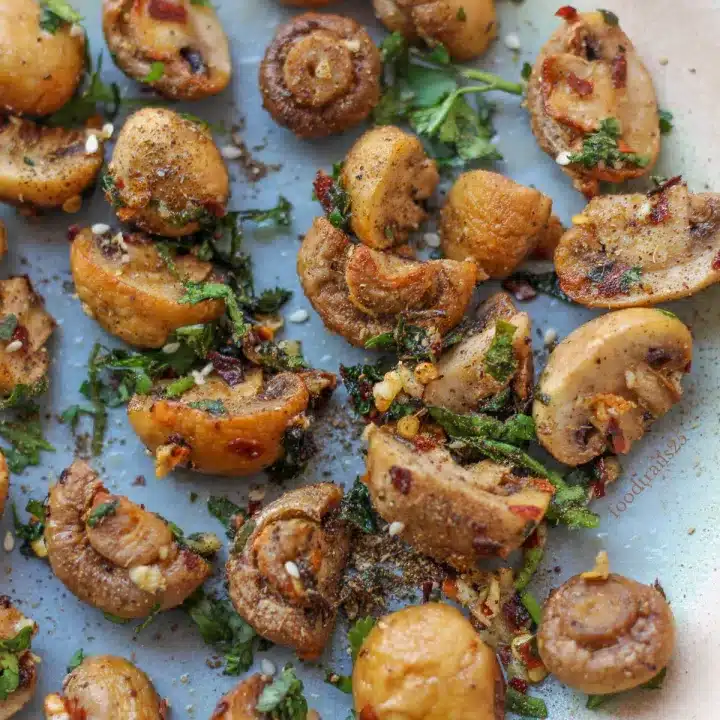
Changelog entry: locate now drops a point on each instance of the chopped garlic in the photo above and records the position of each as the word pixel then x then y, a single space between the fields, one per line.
pixel 563 158
pixel 92 145
pixel 292 569
pixel 100 229
pixel 601 569
pixel 39 547
pixel 148 578
pixel 512 41
pixel 13 346
pixel 387 389
pixel 267 667
pixel 231 152
pixel 299 316
pixel 396 528
pixel 426 372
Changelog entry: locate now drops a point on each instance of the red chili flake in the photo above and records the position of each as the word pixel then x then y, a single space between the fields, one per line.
pixel 215 209
pixel 401 479
pixel 449 587
pixel 661 210
pixel 505 654
pixel 367 713
pixel 322 185
pixel 716 262
pixel 543 485
pixel 72 232
pixel 254 506
pixel 21 333
pixel 515 613
pixel 427 587
pixel 485 610
pixel 662 187
pixel 527 512
pixel 617 438
pixel 526 652
pixel 521 290
pixel 250 448
pixel 230 369
pixel 598 488
pixel 567 13
pixel 518 684
pixel 624 147
pixel 619 71
pixel 424 443
pixel 581 86
pixel 532 540
pixel 167 10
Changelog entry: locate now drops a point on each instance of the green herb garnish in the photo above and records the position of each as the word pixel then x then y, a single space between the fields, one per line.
pixel 602 147
pixel 157 70
pixel 500 360
pixel 102 511
pixel 356 508
pixel 278 215
pixel 75 660
pixel 666 121
pixel 56 13
pixel 524 705
pixel 26 443
pixel 283 699
pixel 225 510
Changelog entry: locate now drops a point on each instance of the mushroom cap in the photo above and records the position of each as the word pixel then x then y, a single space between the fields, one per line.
pixel 603 636
pixel 493 221
pixel 189 42
pixel 491 511
pixel 166 174
pixel 387 174
pixel 607 380
pixel 44 167
pixel 240 702
pixel 358 292
pixel 246 440
pixel 670 240
pixel 320 75
pixel 39 70
pixel 126 286
pixel 11 622
pixel 300 528
pixel 463 384
pixel 588 49
pixel 98 564
pixel 427 661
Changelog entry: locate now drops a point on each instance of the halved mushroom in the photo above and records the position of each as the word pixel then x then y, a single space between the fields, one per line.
pixel 19 664
pixel 185 37
pixel 464 27
pixel 46 167
pixel 588 78
pixel 387 174
pixel 629 250
pixel 114 554
pixel 493 221
pixel 320 75
pixel 24 359
pixel 423 493
pixel 606 383
pixel 42 58
pixel 3 240
pixel 359 292
pixel 243 432
pixel 241 701
pixel 285 580
pixel 603 633
pixel 126 286
pixel 464 382
pixel 106 687
pixel 166 174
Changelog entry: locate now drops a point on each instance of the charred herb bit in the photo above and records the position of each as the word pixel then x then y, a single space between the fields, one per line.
pixel 275 356
pixel 602 147
pixel 102 511
pixel 666 122
pixel 111 190
pixel 610 17
pixel 56 13
pixel 500 360
pixel 356 508
pixel 330 193
pixel 359 381
pixel 26 443
pixel 278 215
pixel 270 301
pixel 524 705
pixel 21 396
pixel 33 531
pixel 298 447
pixel 7 326
pixel 547 283
pixel 611 278
pixel 410 342
pixel 226 512
pixel 526 71
pixel 196 292
pixel 283 699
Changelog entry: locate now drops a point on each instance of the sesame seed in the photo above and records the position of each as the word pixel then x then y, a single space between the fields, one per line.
pixel 100 229
pixel 396 528
pixel 563 158
pixel 14 346
pixel 9 542
pixel 432 239
pixel 171 348
pixel 299 316
pixel 231 152
pixel 292 569
pixel 267 667
pixel 92 145
pixel 512 41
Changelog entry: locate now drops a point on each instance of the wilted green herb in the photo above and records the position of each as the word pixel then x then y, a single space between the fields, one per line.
pixel 26 443
pixel 56 13
pixel 7 326
pixel 111 190
pixel 196 292
pixel 9 661
pixel 461 15
pixel 500 360
pixel 75 660
pixel 275 356
pixel 225 510
pixel 298 448
pixel 102 511
pixel 547 283
pixel 116 619
pixel 410 342
pixel 157 70
pixel 532 557
pixel 526 71
pixel 524 705
pixel 602 147
pixel 356 508
pixel 279 215
pixel 269 301
pixel 666 122
pixel 34 529
pixel 72 415
pixel 517 430
pixel 283 699
pixel 359 381
pixel 330 193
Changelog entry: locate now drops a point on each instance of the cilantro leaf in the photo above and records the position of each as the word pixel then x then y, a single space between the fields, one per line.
pixel 333 197
pixel 410 342
pixel 284 698
pixel 102 511
pixel 21 396
pixel 26 443
pixel 9 674
pixel 500 360
pixel 601 146
pixel 157 70
pixel 19 642
pixel 269 301
pixel 56 13
pixel 357 634
pixel 76 660
pixel 225 511
pixel 359 381
pixel 196 292
pixel 356 508
pixel 33 530
pixel 279 215
pixel 666 122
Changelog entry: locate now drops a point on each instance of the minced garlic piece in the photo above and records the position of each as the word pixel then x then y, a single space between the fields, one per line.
pixel 55 708
pixel 601 569
pixel 148 578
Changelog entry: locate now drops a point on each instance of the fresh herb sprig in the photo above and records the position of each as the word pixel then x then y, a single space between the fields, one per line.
pixel 602 147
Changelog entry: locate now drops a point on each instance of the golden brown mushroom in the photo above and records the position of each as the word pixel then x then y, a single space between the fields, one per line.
pixel 126 286
pixel 185 37
pixel 603 633
pixel 114 554
pixel 387 174
pixel 630 250
pixel 42 58
pixel 423 492
pixel 285 581
pixel 587 74
pixel 359 292
pixel 320 75
pixel 463 381
pixel 20 661
pixel 46 167
pixel 427 661
pixel 106 687
pixel 493 221
pixel 464 27
pixel 606 383
pixel 24 359
pixel 166 174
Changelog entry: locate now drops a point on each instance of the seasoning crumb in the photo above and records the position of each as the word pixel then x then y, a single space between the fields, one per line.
pixel 292 569
pixel 691 531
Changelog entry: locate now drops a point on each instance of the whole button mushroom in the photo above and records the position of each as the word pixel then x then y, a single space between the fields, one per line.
pixel 603 633
pixel 427 661
pixel 166 174
pixel 42 58
pixel 641 249
pixel 19 663
pixel 320 75
pixel 606 383
pixel 180 41
pixel 592 102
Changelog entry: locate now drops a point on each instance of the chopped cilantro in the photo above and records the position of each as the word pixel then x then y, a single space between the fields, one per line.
pixel 9 661
pixel 157 70
pixel 601 147
pixel 517 430
pixel 298 448
pixel 56 13
pixel 500 361
pixel 666 121
pixel 26 442
pixel 21 396
pixel 333 197
pixel 279 215
pixel 356 508
pixel 461 15
pixel 269 301
pixel 102 511
pixel 275 356
pixel 283 699
pixel 524 705
pixel 225 511
pixel 526 71
pixel 75 660
pixel 196 292
pixel 34 529
pixel 410 342
pixel 358 633
pixel 359 381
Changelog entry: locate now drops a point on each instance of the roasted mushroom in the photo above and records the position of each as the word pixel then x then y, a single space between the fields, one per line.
pixel 464 381
pixel 606 383
pixel 18 668
pixel 464 27
pixel 285 580
pixel 46 167
pixel 427 661
pixel 124 284
pixel 114 554
pixel 629 250
pixel 24 359
pixel 166 174
pixel 186 38
pixel 4 482
pixel 387 174
pixel 592 102
pixel 106 687
pixel 3 240
pixel 423 493
pixel 603 633
pixel 359 292
pixel 42 58
pixel 320 75
pixel 493 221
pixel 241 701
